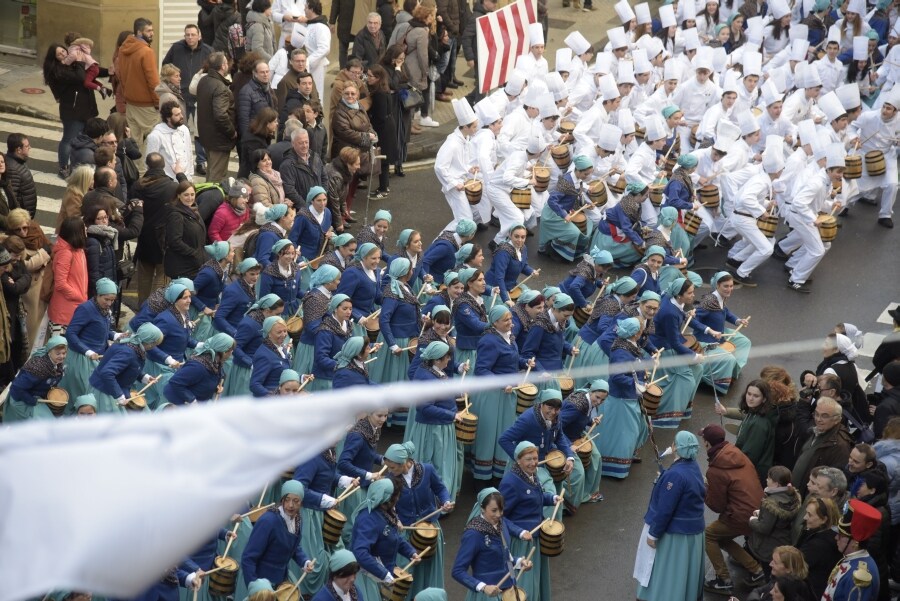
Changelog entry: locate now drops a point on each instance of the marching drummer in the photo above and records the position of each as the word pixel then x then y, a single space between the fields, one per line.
pixel 237 297
pixel 341 583
pixel 43 371
pixel 121 366
pixel 359 454
pixel 420 487
pixel 712 310
pixel 271 358
pixel 312 226
pixel 350 364
pixel 545 342
pixel 281 277
pixel 517 172
pixel 587 277
pixel 377 233
pixel 362 282
pixel 454 163
pixel 575 418
pixel 247 339
pixel 509 262
pixel 276 539
pixel 156 303
pixel 469 255
pixel 529 305
pixel 409 246
pixel 619 231
pixel 557 232
pixel 342 255
pixel 440 256
pixel 202 376
pixel 209 284
pixel 399 322
pixel 450 292
pixel 470 314
pixel 323 284
pixel 333 331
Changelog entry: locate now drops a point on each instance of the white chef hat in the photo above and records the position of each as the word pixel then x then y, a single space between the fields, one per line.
pixel 730 82
pixel 720 59
pixel 626 73
pixel 609 137
pixel 602 64
pixel 798 31
pixel 779 79
pixel 671 70
pixel 463 111
pixel 577 42
pixel 860 48
pixel 770 94
pixel 642 13
pixel 747 122
pixel 608 87
pixel 667 16
pixel 535 34
pixel 535 144
pixel 752 63
pixel 893 97
pixel 623 9
pixel 806 131
pixel 703 59
pixel 486 111
pixel 556 85
pixel 500 102
pixel 653 45
pixel 532 96
pixel 857 6
pixel 799 48
pixel 819 144
pixel 831 105
pixel 834 35
pixel 849 96
pixel 779 8
pixel 655 128
pixel 563 60
pixel 755 29
pixel 617 37
pixel 691 39
pixel 773 155
pixel 687 9
pixel 625 121
pixel 515 83
pixel 641 62
pixel 547 107
pixel 727 133
pixel 834 155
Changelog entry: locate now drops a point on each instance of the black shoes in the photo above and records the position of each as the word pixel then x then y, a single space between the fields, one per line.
pixel 398 171
pixel 886 222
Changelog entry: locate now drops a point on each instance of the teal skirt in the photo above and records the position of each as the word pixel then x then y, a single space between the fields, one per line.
pixel 565 238
pixel 436 444
pixel 536 581
pixel 623 253
pixel 237 383
pixel 314 547
pixel 368 586
pixel 237 549
pixel 593 473
pixel 75 381
pixel 720 368
pixel 16 411
pixel 622 431
pixel 681 241
pixel 678 569
pixel 303 358
pixel 154 394
pixel 571 331
pixel 573 485
pixel 496 411
pixel 589 356
pixel 742 346
pixel 316 385
pixel 429 572
pixel 462 356
pixel 679 389
pixel 204 330
pixel 388 368
pixel 348 508
pixel 107 404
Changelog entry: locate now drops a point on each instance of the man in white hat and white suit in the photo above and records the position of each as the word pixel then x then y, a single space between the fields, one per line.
pixel 532 63
pixel 455 162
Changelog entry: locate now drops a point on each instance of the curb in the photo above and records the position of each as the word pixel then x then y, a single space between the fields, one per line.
pixel 7 106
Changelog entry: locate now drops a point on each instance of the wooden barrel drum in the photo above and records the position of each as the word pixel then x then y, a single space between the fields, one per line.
pixel 222 583
pixel 474 188
pixel 332 526
pixel 827 225
pixel 692 223
pixel 425 536
pixel 767 224
pixel 656 194
pixel 525 396
pixel 465 430
pixel 541 178
pixel 561 156
pixel 556 462
pixel 709 196
pixel 853 169
pixel 875 164
pixel 521 197
pixel 553 538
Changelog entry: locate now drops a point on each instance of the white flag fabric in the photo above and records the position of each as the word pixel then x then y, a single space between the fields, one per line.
pixel 501 37
pixel 108 504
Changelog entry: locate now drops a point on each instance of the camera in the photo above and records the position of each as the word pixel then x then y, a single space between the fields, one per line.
pixel 809 393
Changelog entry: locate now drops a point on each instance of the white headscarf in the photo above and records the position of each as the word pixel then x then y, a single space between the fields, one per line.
pixel 846 347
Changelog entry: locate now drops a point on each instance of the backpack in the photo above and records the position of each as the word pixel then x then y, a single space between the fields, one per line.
pixel 209 196
pixel 250 243
pixel 237 42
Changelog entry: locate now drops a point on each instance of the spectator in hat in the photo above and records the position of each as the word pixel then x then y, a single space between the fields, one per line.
pixel 874 491
pixel 889 406
pixel 848 582
pixel 231 214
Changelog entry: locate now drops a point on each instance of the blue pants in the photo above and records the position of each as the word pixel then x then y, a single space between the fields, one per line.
pixel 71 130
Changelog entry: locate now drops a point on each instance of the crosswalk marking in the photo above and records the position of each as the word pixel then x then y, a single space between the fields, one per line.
pixel 884 317
pixel 871 340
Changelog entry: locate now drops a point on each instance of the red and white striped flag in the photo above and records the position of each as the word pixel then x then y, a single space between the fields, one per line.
pixel 502 36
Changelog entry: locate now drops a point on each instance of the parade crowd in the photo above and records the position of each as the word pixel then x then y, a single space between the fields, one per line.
pixel 755 126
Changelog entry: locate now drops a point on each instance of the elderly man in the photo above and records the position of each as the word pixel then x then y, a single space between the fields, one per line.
pixel 296 67
pixel 300 170
pixel 172 139
pixel 369 44
pixel 828 443
pixel 215 124
pixel 733 491
pixel 254 97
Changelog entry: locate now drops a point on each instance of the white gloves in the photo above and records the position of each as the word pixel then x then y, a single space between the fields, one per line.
pixel 146 379
pixel 388 579
pixel 345 481
pixel 121 401
pixel 92 355
pixel 328 502
pixel 171 362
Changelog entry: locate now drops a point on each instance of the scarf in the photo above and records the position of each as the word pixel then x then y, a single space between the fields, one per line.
pixel 482 526
pixel 107 313
pixel 315 305
pixel 359 368
pixel 450 237
pixel 139 350
pixel 182 318
pixel 507 247
pixel 330 324
pixel 43 368
pixel 518 471
pixel 211 365
pixel 628 345
pixel 274 179
pixel 581 401
pixel 680 176
pixel 631 206
pixel 350 105
pixel 105 231
pixel 542 320
pixel 710 302
pixel 216 267
pixel 585 269
pixel 157 302
pixel 35 239
pixel 364 428
pixel 608 306
pixel 293 524
pixel 329 586
pixel 467 299
pixel 248 290
pixel 274 270
pixel 390 515
pixel 330 456
pixel 417 473
pixel 524 318
pixel 278 350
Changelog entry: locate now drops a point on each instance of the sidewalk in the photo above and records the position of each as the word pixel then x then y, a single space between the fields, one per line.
pixel 19 75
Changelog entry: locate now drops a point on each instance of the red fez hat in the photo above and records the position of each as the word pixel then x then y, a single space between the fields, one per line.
pixel 860 522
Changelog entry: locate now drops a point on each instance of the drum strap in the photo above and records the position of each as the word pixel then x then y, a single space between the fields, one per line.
pixel 616 234
pixel 509 564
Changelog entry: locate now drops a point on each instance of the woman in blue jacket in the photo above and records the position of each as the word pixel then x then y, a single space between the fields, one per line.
pixel 545 342
pixel 469 255
pixel 276 539
pixel 209 284
pixel 202 377
pixel 680 195
pixel 646 274
pixel 342 255
pixel 377 233
pixel 448 295
pixel 357 457
pixel 525 502
pixel 281 277
pixel 43 371
pixel 497 355
pixel 528 306
pixel 169 355
pixel 89 335
pixel 470 315
pixel 422 492
pixel 350 364
pixel 712 311
pixel 399 321
pixel 237 297
pixel 619 295
pixel 433 431
pixel 156 303
pixel 312 226
pixel 484 549
pixel 440 256
pixel 323 284
pixel 271 358
pixel 673 526
pixel 587 277
pixel 376 537
pixel 645 309
pixel 438 329
pixel 248 337
pixel 344 569
pixel 578 414
pixel 319 477
pixel 334 330
pixel 620 231
pixel 121 367
pixel 362 283
pixel 279 219
pixel 410 247
pixel 509 262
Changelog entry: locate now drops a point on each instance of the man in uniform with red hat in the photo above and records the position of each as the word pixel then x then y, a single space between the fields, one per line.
pixel 856 576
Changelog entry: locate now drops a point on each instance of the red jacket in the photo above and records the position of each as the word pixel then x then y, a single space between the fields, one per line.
pixel 225 222
pixel 733 489
pixel 70 282
pixel 136 69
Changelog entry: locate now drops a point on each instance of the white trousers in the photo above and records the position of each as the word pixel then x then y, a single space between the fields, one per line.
pixel 508 214
pixel 753 248
pixel 459 206
pixel 811 251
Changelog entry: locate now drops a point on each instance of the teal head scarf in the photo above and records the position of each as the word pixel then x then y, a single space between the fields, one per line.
pixel 275 212
pixel 399 268
pixel 599 385
pixel 313 192
pixel 464 252
pixel 467 274
pixel 266 302
pixel 382 215
pixel 379 492
pixel 270 322
pixel 550 291
pixel 292 487
pixel 695 279
pixel 549 394
pixel 279 246
pixel 601 257
pixel 649 295
pixel 351 349
pixel 248 264
pixel 465 228
pixel 400 453
pixel 686 445
pixel 687 161
pixel 217 250
pixel 174 292
pixel 654 249
pixel 635 188
pixel 623 286
pixel 146 334
pixel 363 250
pixel 670 110
pixel 431 594
pixel 288 375
pixel 340 559
pixel 450 277
pixel 186 282
pixel 525 445
pixel 106 286
pixel 668 216
pixel 258 586
pixel 438 309
pixel 405 235
pixel 342 240
pixel 324 275
pixel 86 400
pixel 336 301
pixel 219 343
pixel 497 312
pixel 714 281
pixel 674 288
pixel 626 328
pixel 582 163
pixel 527 296
pixel 482 495
pixel 435 350
pixel 562 300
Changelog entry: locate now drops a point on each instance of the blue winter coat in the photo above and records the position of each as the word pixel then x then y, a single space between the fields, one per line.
pixel 119 369
pixel 417 502
pixel 398 318
pixel 376 543
pixel 272 281
pixel 668 322
pixel 248 337
pixel 270 548
pixel 486 555
pixel 357 458
pixel 267 368
pixel 677 500
pixel 308 234
pixel 318 477
pixel 506 269
pixel 496 356
pixel 235 302
pixel 89 329
pixel 547 348
pixel 439 258
pixel 530 426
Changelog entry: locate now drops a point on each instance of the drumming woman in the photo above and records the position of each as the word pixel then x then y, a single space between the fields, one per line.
pixel 342 255
pixel 421 490
pixel 485 548
pixel 449 295
pixel 350 364
pixel 89 334
pixel 645 310
pixel 377 233
pixel 362 283
pixel 619 232
pixel 469 255
pixel 587 277
pixel 121 366
pixel 646 274
pixel 712 311
pixel 247 339
pixel 575 418
pixel 440 257
pixel 358 456
pixel 312 226
pixel 470 315
pixel 558 232
pixel 545 342
pixel 237 297
pixel 661 236
pixel 156 303
pixel 271 358
pixel 334 330
pixel 509 262
pixel 679 194
pixel 279 219
pixel 322 285
pixel 276 539
pixel 281 277
pixel 624 427
pixel 376 537
pixel 525 505
pixel 410 247
pixel 433 432
pixel 43 371
pixel 209 284
pixel 170 354
pixel 341 584
pixel 438 329
pixel 498 354
pixel 319 477
pixel 202 376
pixel 529 305
pixel 399 321
pixel 681 381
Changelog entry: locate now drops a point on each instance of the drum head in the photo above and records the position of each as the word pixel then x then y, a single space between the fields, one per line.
pixel 553 528
pixel 227 564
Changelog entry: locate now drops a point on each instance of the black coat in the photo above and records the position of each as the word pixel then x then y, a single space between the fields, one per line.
pixel 157 190
pixel 215 123
pixel 249 144
pixel 189 61
pixel 7 201
pixel 22 183
pixel 382 119
pixel 83 149
pixel 342 15
pixel 366 49
pixel 252 98
pixel 888 407
pixel 76 102
pixel 789 435
pixel 821 554
pixel 101 261
pixel 850 388
pixel 205 21
pixel 298 177
pixel 185 239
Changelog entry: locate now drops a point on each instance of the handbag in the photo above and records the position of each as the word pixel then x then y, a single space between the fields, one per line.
pixel 411 98
pixel 125 267
pixel 130 170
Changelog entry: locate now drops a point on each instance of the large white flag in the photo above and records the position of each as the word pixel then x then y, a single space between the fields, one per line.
pixel 107 504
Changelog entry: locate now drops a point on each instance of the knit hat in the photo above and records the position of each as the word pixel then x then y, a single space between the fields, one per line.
pixel 713 434
pixel 313 192
pixel 103 286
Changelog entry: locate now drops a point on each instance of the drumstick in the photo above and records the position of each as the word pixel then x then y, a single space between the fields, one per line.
pixel 586 441
pixel 412 562
pixel 538 527
pixel 422 331
pixel 562 496
pixel 534 273
pixel 430 515
pixel 300 580
pixel 234 531
pixel 309 379
pixel 527 558
pixel 196 590
pixel 738 329
pixel 653 382
pixel 525 381
pixel 350 491
pixel 493 300
pixel 465 394
pixel 656 356
pixel 594 425
pixel 572 359
pixel 218 394
pixel 370 360
pixel 144 389
pixel 588 205
pixel 409 348
pixel 687 322
pixel 256 510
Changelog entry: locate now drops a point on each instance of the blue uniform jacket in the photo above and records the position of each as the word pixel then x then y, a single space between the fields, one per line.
pixel 247 338
pixel 714 319
pixel 267 368
pixel 308 233
pixel 616 217
pixel 645 281
pixel 235 302
pixel 436 412
pixel 506 269
pixel 668 322
pixel 677 501
pixel 416 361
pixel 346 377
pixel 28 388
pixel 364 293
pixel 209 287
pixel 318 477
pixel 678 196
pixel 192 382
pixel 374 539
pixel 486 555
pixel 469 327
pixel 287 288
pixel 562 202
pixel 264 243
pixel 326 594
pixel 609 336
pixel 530 426
pixel 398 319
pixel 621 385
pixel 547 348
pixel 439 258
pixel 270 548
pixel 580 288
pixel 524 502
pixel 118 370
pixel 573 421
pixel 327 346
pixel 176 339
pixel 357 458
pixel 144 315
pixel 88 330
pixel 496 356
pixel 415 503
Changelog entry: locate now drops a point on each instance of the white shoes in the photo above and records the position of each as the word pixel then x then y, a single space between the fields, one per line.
pixel 428 122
